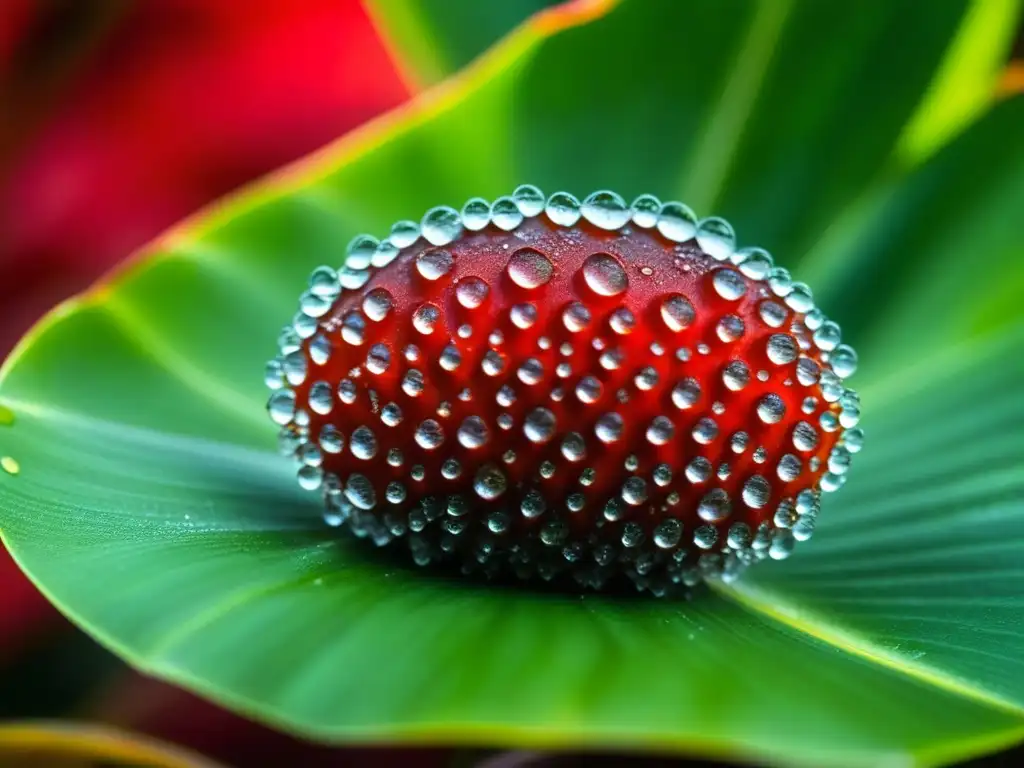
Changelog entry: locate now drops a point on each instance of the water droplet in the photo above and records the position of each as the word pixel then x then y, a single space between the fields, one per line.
pixel 489 482
pixel 531 372
pixel 646 379
pixel 622 321
pixel 281 407
pixel 686 393
pixel 378 359
pixel 606 210
pixel 563 209
pixel 827 337
pixel 429 435
pixel 705 536
pixel 715 506
pixel 395 492
pixel 529 199
pixel 434 264
pixel 677 222
pixel 604 275
pixel 755 263
pixel 473 432
pixel 645 211
pixel 782 348
pixel 10 465
pixel 360 250
pixel 363 443
pixel 347 391
pixel 789 468
pixel 476 214
pixel 539 425
pixel 730 328
pixel 736 375
pixel 800 299
pixel 412 383
pixel 609 428
pixel 359 491
pixel 493 363
pixel 529 268
pixel 576 317
pixel 523 315
pixel 716 238
pixel 506 214
pixel 471 292
pixel 677 312
pixel 756 492
pixel 705 431
pixel 698 470
pixel 450 358
pixel 425 318
pixel 353 329
pixel 660 430
pixel 843 361
pixel 589 389
pixel 771 408
pixel 632 535
pixel 574 447
pixel 441 225
pixel 321 398
pixel 391 415
pixel 729 284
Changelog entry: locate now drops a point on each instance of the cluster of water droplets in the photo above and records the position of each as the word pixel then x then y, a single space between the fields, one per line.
pixel 354 501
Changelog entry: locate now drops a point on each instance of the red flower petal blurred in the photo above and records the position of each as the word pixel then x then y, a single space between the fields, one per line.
pixel 179 102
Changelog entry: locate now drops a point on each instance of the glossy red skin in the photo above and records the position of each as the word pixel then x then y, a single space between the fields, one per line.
pixel 674 268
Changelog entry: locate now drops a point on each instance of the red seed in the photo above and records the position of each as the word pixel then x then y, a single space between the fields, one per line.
pixel 571 399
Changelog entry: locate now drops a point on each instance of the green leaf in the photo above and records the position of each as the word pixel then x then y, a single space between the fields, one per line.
pixel 430 39
pixel 150 506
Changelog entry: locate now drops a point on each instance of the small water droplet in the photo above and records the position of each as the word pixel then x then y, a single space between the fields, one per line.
pixel 782 348
pixel 471 292
pixel 10 465
pixel 563 209
pixel 429 435
pixel 677 312
pixel 434 264
pixel 539 425
pixel 677 222
pixel 476 214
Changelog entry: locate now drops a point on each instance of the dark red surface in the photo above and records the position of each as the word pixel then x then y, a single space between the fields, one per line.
pixel 656 269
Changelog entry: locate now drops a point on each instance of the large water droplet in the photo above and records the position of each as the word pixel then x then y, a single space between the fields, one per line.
pixel 529 268
pixel 715 506
pixel 476 214
pixel 609 427
pixel 429 435
pixel 677 312
pixel 563 209
pixel 716 238
pixel 529 199
pixel 360 250
pixel 506 214
pixel 471 292
pixel 782 348
pixel 645 211
pixel 539 425
pixel 604 275
pixel 473 432
pixel 756 492
pixel 441 225
pixel 729 284
pixel 606 210
pixel 677 222
pixel 363 443
pixel 489 482
pixel 771 408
